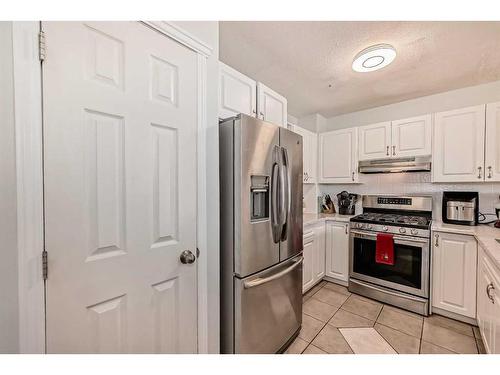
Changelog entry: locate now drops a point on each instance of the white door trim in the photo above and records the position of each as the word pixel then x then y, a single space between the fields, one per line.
pixel 29 161
pixel 29 168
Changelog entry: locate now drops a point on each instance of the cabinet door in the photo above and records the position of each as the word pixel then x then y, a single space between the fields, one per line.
pixel 454 273
pixel 319 255
pixel 458 146
pixel 307 266
pixel 485 319
pixel 337 250
pixel 492 161
pixel 412 137
pixel 375 141
pixel 309 154
pixel 338 162
pixel 237 93
pixel 271 106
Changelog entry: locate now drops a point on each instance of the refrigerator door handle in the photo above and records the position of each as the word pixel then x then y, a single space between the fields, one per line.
pixel 259 281
pixel 275 225
pixel 285 193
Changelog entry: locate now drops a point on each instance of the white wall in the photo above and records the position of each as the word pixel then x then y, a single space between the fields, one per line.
pixel 417 183
pixel 474 95
pixel 208 32
pixel 9 314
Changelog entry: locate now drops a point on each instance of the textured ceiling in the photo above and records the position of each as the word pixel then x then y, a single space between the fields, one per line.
pixel 301 59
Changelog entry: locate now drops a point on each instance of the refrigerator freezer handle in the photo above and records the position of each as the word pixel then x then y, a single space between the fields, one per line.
pixel 286 202
pixel 275 220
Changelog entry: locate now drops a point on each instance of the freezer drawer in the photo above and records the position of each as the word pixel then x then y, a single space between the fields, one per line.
pixel 268 308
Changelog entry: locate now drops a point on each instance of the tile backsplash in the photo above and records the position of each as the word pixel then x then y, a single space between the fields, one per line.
pixel 418 183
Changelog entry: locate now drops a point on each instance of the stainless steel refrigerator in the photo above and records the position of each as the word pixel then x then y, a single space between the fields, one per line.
pixel 261 235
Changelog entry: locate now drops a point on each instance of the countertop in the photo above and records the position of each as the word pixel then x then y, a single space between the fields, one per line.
pixel 484 234
pixel 309 218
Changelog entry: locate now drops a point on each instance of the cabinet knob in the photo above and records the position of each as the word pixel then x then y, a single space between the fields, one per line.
pixel 479 174
pixel 437 240
pixel 393 150
pixel 353 176
pixel 387 152
pixel 489 172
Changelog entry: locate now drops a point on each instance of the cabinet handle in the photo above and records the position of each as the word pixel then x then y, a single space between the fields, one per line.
pixel 489 171
pixel 437 240
pixel 254 111
pixel 262 114
pixel 387 152
pixel 393 150
pixel 489 288
pixel 479 174
pixel 353 176
pixel 346 228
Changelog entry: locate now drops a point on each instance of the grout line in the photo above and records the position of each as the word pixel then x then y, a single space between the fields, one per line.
pixel 421 337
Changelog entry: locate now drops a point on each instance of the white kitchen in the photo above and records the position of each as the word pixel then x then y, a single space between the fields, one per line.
pixel 215 185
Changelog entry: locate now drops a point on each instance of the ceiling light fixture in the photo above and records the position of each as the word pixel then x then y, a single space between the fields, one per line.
pixel 373 58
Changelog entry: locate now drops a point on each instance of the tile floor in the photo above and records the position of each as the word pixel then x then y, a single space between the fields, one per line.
pixel 338 322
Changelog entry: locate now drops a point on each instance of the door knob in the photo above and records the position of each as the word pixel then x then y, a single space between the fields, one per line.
pixel 187 257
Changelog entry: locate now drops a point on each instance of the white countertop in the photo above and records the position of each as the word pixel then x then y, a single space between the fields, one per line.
pixel 484 234
pixel 309 218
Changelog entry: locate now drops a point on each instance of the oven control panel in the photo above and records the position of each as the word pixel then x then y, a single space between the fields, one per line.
pixel 394 200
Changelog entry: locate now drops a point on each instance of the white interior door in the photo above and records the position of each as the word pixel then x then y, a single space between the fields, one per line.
pixel 120 115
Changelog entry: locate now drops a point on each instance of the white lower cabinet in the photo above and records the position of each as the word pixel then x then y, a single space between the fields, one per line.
pixel 488 302
pixel 314 255
pixel 337 251
pixel 454 273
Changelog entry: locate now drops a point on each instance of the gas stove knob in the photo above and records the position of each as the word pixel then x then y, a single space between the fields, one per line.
pixel 385 228
pixel 359 225
pixel 368 226
pixel 414 231
pixel 402 230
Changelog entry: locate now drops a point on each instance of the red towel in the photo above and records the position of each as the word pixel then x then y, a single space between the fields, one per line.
pixel 384 250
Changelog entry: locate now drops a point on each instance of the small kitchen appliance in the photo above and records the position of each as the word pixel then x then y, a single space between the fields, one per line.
pixel 347 202
pixel 460 207
pixel 401 276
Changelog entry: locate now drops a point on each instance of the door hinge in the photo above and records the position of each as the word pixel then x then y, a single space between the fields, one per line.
pixel 42 51
pixel 45 265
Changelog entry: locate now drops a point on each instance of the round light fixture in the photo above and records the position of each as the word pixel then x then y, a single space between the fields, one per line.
pixel 373 58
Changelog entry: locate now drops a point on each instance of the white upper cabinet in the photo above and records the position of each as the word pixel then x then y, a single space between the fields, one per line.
pixel 338 159
pixel 237 93
pixel 454 273
pixel 412 137
pixel 271 106
pixel 310 152
pixel 492 159
pixel 375 141
pixel 458 146
pixel 337 251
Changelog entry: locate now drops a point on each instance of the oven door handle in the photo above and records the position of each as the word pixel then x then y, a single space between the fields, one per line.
pixel 396 238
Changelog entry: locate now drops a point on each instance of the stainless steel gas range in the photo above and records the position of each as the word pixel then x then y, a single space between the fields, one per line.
pixel 406 222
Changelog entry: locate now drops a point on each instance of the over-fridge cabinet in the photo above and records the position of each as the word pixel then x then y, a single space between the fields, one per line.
pixel 241 94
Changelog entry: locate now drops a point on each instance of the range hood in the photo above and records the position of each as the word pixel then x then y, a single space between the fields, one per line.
pixel 396 165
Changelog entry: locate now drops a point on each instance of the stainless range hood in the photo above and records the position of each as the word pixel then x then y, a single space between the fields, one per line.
pixel 396 165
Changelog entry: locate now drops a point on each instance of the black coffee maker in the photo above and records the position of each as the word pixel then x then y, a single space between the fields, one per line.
pixel 347 202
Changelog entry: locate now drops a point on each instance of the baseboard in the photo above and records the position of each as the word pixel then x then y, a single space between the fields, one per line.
pixel 335 281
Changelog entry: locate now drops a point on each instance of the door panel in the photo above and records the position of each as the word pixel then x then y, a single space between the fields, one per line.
pixel 412 137
pixel 256 144
pixel 458 146
pixel 120 104
pixel 237 93
pixel 337 250
pixel 269 311
pixel 492 159
pixel 292 245
pixel 271 106
pixel 375 141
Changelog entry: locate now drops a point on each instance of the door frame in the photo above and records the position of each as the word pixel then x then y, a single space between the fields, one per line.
pixel 27 74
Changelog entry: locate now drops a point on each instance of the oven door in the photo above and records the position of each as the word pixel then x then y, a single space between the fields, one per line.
pixel 410 272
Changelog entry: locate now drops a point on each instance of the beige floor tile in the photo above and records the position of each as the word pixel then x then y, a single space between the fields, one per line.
pixel 402 311
pixel 366 341
pixel 395 318
pixel 363 307
pixel 480 346
pixel 428 348
pixel 313 290
pixel 449 339
pixel 310 327
pixel 477 333
pixel 311 349
pixel 331 341
pixel 454 325
pixel 319 310
pixel 401 342
pixel 331 297
pixel 297 346
pixel 337 288
pixel 346 319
